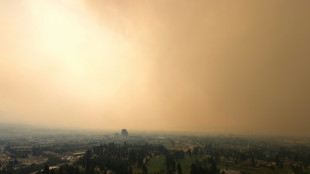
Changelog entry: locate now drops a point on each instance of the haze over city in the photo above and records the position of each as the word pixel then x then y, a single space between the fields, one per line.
pixel 199 66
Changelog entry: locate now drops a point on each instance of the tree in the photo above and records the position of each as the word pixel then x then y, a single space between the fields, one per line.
pixel 87 167
pixel 277 160
pixel 46 169
pixel 253 162
pixel 193 169
pixel 144 169
pixel 52 171
pixel 189 152
pixel 179 168
pixel 213 169
pixel 130 170
pixel 196 151
pixel 76 170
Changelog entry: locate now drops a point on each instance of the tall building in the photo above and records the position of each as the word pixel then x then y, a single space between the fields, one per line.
pixel 124 132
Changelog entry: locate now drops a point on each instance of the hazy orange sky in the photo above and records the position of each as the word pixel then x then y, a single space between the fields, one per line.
pixel 182 65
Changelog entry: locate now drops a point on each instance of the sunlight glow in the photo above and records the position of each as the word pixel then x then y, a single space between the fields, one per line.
pixel 68 35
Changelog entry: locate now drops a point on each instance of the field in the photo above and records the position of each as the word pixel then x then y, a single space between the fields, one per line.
pixel 158 163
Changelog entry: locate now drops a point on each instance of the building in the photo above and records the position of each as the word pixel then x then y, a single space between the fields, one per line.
pixel 124 132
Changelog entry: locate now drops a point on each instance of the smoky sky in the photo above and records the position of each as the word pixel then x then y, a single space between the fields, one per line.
pixel 207 66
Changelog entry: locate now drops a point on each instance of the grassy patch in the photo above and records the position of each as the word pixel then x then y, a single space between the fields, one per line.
pixel 187 162
pixel 254 170
pixel 156 164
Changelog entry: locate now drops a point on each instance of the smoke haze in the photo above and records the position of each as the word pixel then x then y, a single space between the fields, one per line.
pixel 208 66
